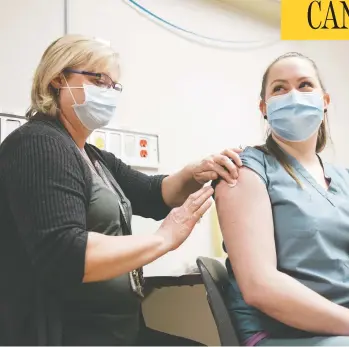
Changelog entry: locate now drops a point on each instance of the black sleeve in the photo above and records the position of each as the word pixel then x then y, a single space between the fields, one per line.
pixel 46 193
pixel 143 191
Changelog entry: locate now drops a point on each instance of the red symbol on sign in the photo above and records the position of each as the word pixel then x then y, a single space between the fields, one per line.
pixel 143 143
pixel 143 153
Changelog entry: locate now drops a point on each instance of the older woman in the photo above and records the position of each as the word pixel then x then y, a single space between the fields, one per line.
pixel 71 269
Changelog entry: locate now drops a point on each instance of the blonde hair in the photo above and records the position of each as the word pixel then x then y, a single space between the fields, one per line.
pixel 69 51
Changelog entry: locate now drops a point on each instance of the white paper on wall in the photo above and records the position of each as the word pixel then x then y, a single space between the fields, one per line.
pixel 99 139
pixel 115 144
pixel 9 123
pixel 130 146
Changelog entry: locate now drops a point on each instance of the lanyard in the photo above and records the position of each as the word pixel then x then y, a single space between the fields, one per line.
pixel 98 170
pixel 136 276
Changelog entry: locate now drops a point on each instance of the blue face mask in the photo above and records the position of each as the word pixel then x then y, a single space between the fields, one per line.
pixel 295 116
pixel 99 107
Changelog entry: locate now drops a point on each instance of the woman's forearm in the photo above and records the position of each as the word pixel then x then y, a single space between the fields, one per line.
pixel 177 187
pixel 110 256
pixel 292 303
pixel 107 257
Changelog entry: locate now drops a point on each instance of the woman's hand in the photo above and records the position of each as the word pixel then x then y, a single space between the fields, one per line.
pixel 180 222
pixel 224 165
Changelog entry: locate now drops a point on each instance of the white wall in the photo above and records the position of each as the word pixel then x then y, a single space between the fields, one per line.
pixel 331 58
pixel 26 29
pixel 198 99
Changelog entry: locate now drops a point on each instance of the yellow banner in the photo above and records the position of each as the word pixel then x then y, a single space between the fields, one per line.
pixel 315 19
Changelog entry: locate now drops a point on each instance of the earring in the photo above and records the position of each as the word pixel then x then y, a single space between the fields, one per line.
pixel 265 117
pixel 58 91
pixel 325 110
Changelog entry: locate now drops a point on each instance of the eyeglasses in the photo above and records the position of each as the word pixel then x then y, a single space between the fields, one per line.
pixel 102 79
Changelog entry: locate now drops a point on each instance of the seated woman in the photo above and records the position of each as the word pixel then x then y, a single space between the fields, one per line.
pixel 286 223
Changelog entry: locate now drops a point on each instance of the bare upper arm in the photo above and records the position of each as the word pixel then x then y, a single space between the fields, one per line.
pixel 245 218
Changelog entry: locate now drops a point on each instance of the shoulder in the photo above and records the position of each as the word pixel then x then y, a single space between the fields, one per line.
pixel 252 154
pixel 45 125
pixel 255 159
pixel 41 141
pixel 39 128
pixel 252 182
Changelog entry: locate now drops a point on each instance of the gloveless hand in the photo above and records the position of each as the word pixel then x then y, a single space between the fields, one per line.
pixel 224 165
pixel 180 222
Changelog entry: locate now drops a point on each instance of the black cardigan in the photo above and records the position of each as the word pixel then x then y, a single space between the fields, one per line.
pixel 44 194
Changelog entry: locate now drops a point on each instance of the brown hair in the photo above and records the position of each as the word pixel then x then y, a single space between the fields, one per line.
pixel 270 146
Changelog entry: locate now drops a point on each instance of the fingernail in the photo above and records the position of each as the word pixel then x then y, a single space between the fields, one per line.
pixel 232 184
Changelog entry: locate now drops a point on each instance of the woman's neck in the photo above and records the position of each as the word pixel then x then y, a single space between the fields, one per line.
pixel 304 152
pixel 78 133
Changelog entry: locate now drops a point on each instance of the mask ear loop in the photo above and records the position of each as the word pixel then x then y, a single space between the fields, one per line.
pixel 69 89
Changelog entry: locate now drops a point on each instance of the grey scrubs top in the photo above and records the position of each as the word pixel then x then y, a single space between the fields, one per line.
pixel 108 312
pixel 311 228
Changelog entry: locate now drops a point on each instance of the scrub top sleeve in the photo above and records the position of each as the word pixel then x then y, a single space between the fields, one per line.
pixel 253 159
